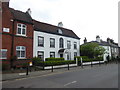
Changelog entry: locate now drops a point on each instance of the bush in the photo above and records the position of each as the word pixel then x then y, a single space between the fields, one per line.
pixel 54 59
pixel 36 60
pixel 19 65
pixel 54 63
pixel 87 60
pixel 5 66
pixel 83 57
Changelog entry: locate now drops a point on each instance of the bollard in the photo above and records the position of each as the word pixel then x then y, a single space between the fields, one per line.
pixel 43 65
pixel 27 70
pixel 99 63
pixel 68 66
pixel 52 68
pixel 91 63
pixel 81 63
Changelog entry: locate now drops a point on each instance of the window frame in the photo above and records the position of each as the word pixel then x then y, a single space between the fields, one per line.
pixel 68 44
pixel 75 45
pixel 61 43
pixel 20 57
pixel 41 45
pixel 21 27
pixel 42 54
pixel 53 53
pixel 52 46
pixel 60 31
pixel 1 53
pixel 75 54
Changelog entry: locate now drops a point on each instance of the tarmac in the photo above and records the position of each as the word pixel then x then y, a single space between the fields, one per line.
pixel 12 76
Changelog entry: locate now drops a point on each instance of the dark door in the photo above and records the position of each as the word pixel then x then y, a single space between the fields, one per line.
pixel 61 55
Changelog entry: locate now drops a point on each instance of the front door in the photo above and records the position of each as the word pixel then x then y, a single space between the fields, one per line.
pixel 61 55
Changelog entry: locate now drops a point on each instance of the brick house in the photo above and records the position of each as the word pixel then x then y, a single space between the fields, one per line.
pixel 21 36
pixel 17 35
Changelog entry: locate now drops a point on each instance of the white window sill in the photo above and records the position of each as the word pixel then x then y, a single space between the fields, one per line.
pixel 22 58
pixel 3 58
pixel 21 35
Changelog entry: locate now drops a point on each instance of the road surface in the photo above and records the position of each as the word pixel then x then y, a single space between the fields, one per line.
pixel 104 76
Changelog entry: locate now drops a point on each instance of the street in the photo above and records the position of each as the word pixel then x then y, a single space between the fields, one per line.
pixel 104 76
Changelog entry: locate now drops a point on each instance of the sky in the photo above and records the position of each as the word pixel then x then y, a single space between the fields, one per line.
pixel 87 18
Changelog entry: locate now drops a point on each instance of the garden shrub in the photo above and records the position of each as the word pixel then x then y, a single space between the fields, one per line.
pixel 54 63
pixel 54 59
pixel 5 66
pixel 36 60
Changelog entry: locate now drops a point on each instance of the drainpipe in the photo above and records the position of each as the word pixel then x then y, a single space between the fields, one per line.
pixel 12 44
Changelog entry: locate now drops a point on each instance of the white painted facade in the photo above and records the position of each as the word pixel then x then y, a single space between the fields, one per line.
pixel 47 49
pixel 107 52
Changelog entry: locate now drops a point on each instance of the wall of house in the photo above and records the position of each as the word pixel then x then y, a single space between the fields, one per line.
pixel 27 41
pixel 115 51
pixel 47 48
pixel 6 36
pixel 107 52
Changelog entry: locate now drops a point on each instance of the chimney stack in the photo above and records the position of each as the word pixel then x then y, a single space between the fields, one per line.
pixel 98 38
pixel 60 24
pixel 85 40
pixel 5 3
pixel 29 11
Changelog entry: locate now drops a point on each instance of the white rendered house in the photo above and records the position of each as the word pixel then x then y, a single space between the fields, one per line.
pixel 55 41
pixel 110 47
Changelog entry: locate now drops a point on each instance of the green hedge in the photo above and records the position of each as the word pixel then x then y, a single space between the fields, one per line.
pixel 83 57
pixel 19 65
pixel 36 60
pixel 86 59
pixel 54 59
pixel 5 66
pixel 54 63
pixel 97 59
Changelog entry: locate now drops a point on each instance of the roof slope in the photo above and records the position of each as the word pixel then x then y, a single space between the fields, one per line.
pixel 48 28
pixel 21 16
pixel 104 43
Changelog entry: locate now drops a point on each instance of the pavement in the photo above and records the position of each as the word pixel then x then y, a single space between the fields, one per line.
pixel 12 76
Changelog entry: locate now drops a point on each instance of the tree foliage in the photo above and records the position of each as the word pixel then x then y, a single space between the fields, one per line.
pixel 91 50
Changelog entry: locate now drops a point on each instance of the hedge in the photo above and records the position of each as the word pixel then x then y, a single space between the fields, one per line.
pixel 83 57
pixel 54 63
pixel 5 66
pixel 86 59
pixel 54 59
pixel 36 60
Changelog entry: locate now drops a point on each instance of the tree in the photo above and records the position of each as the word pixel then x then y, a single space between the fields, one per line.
pixel 91 50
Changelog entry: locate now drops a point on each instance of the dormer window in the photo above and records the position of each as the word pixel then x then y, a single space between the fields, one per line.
pixel 60 31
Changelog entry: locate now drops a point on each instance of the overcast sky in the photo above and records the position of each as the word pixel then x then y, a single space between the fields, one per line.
pixel 87 18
